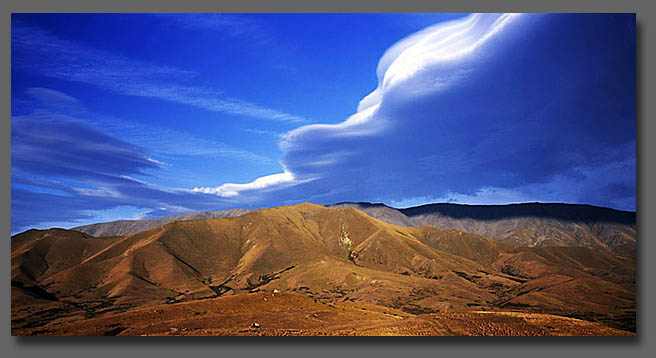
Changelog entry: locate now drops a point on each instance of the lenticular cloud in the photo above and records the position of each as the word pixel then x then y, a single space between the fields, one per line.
pixel 422 63
pixel 444 45
pixel 499 101
pixel 229 190
pixel 404 61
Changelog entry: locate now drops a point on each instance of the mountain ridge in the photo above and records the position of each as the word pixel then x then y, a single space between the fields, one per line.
pixel 518 224
pixel 627 217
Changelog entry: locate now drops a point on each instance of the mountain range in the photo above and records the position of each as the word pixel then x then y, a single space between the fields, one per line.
pixel 529 224
pixel 546 269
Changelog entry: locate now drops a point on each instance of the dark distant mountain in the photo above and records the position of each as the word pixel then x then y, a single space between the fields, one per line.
pixel 127 227
pixel 529 224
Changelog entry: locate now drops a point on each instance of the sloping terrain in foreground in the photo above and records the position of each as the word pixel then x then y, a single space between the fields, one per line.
pixel 333 261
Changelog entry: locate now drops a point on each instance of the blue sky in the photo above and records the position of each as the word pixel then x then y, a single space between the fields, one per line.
pixel 123 116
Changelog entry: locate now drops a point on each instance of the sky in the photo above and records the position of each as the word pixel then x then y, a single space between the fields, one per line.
pixel 135 116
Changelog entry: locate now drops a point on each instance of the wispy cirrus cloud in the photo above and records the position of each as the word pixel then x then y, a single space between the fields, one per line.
pixel 76 150
pixel 52 98
pixel 232 24
pixel 39 52
pixel 49 108
pixel 168 142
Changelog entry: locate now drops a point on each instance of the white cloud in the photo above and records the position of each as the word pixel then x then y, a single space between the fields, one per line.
pixel 415 65
pixel 419 64
pixel 275 181
pixel 444 42
pixel 102 192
